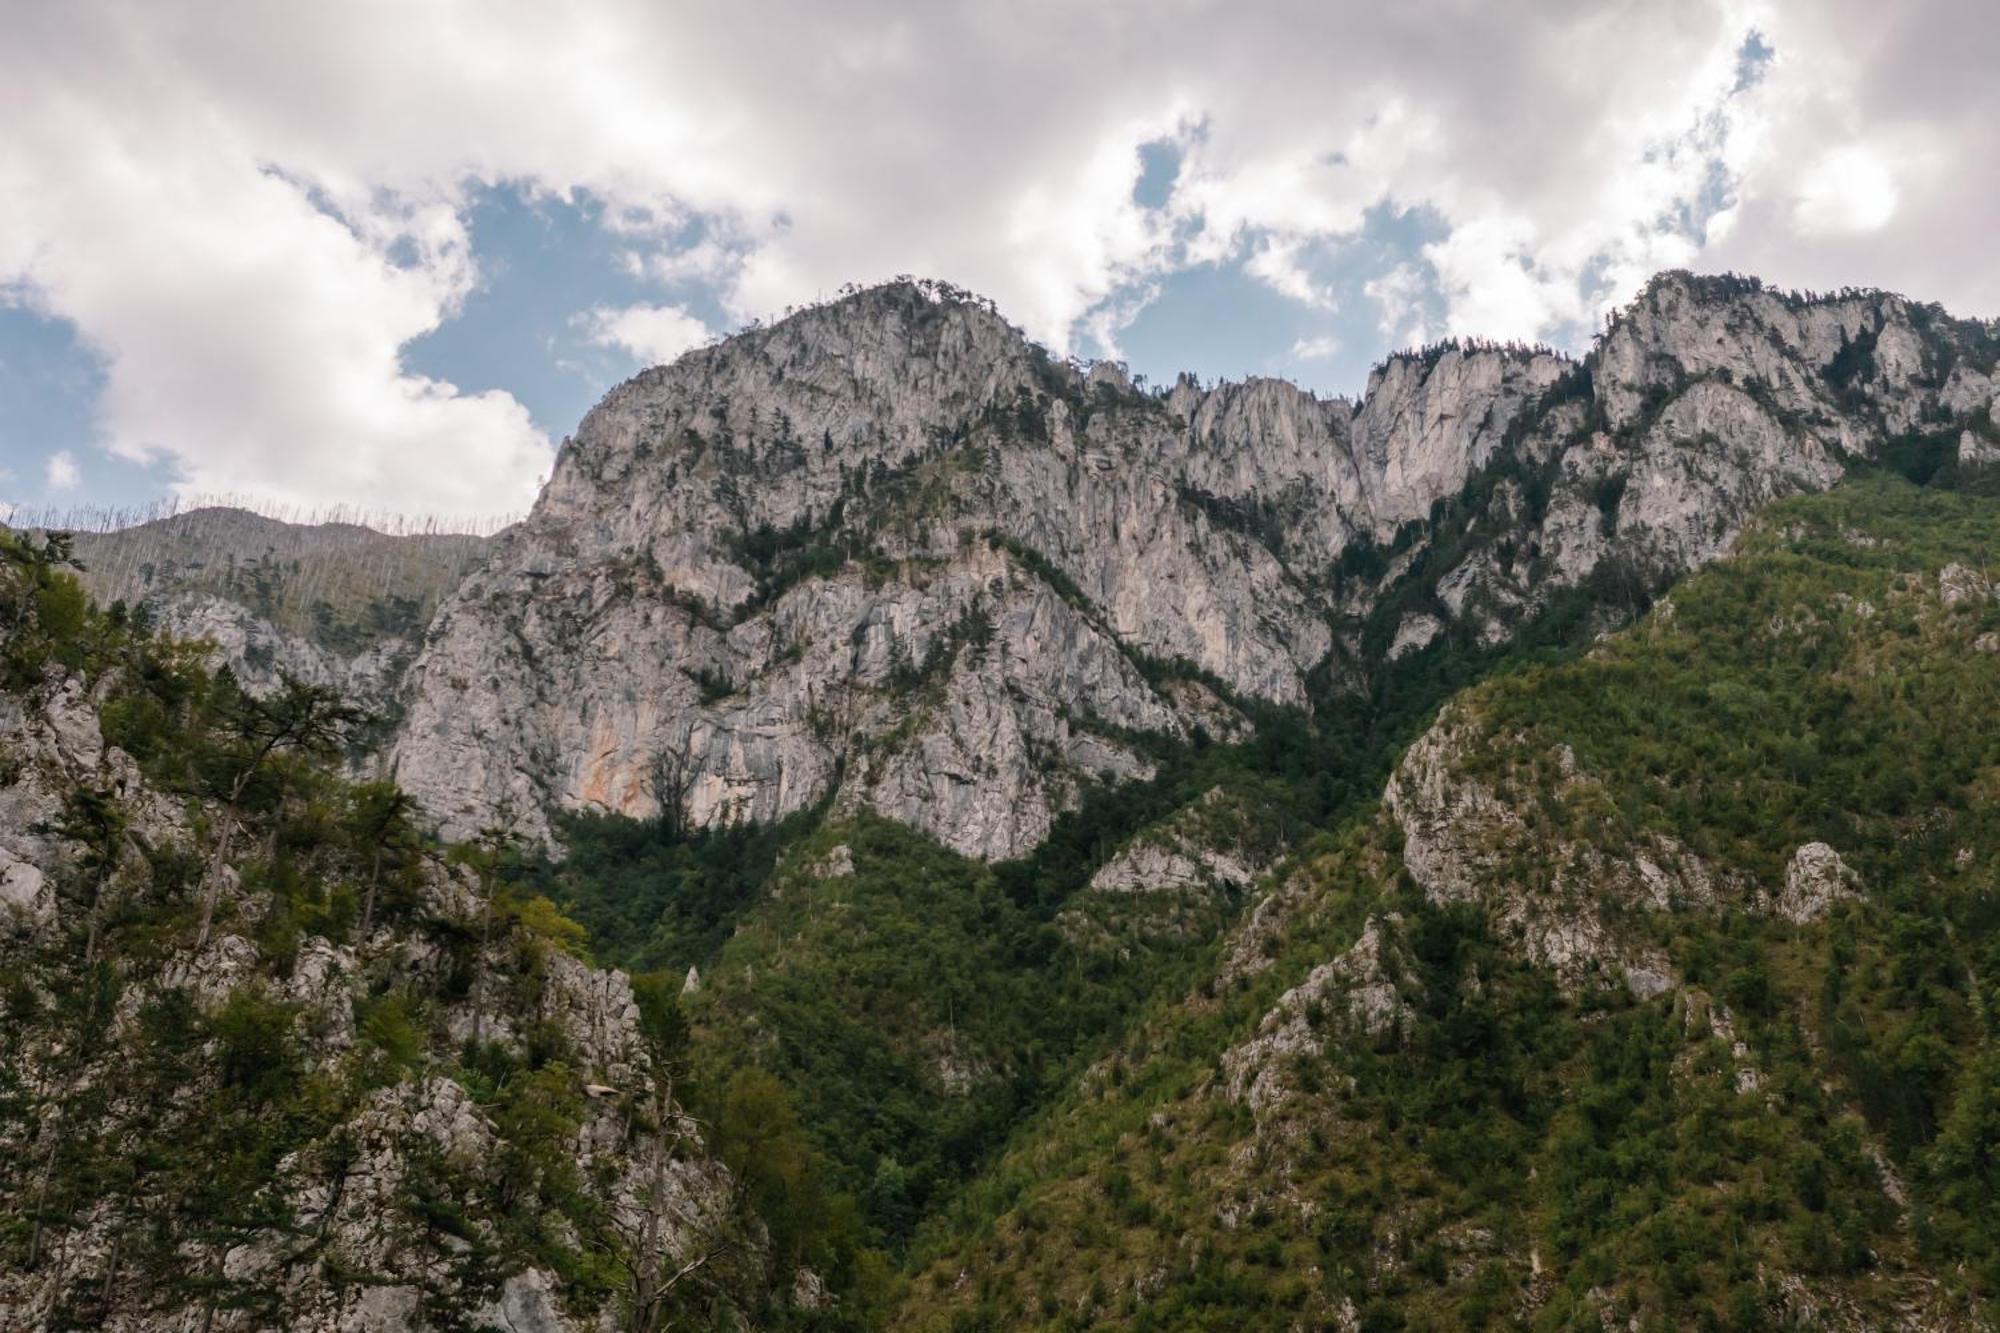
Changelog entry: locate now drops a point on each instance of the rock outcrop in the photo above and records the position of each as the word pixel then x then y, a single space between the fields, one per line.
pixel 1815 880
pixel 1359 993
pixel 885 547
pixel 1213 846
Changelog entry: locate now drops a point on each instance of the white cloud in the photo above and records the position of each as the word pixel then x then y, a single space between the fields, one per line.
pixel 251 210
pixel 61 472
pixel 706 261
pixel 249 329
pixel 1276 263
pixel 1110 316
pixel 655 334
pixel 1315 349
pixel 1867 155
pixel 1847 190
pixel 1399 294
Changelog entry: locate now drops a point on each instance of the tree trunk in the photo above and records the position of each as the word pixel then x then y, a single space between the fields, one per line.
pixel 479 965
pixel 212 889
pixel 43 1185
pixel 212 880
pixel 208 1309
pixel 109 1292
pixel 368 900
pixel 90 939
pixel 646 1293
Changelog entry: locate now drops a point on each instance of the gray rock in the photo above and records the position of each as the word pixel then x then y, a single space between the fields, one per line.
pixel 1359 991
pixel 1462 842
pixel 888 546
pixel 1202 849
pixel 332 603
pixel 1413 634
pixel 1815 880
pixel 1961 585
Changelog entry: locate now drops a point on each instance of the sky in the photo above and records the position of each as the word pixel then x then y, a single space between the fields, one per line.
pixel 383 256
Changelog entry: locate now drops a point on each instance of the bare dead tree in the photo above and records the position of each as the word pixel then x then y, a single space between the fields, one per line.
pixel 670 783
pixel 639 1243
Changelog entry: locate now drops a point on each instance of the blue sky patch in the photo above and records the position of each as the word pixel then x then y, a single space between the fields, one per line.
pixel 1222 321
pixel 544 263
pixel 49 386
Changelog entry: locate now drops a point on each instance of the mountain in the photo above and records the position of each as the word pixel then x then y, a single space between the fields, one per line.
pixel 890 555
pixel 335 604
pixel 1514 850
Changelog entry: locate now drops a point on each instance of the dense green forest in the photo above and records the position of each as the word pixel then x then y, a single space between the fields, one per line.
pixel 1815 1099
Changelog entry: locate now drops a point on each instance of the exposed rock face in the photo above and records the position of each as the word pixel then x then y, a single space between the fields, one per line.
pixel 1707 399
pixel 44 750
pixel 887 552
pixel 1154 867
pixel 1333 471
pixel 1961 585
pixel 1206 848
pixel 1358 992
pixel 1815 880
pixel 1414 634
pixel 261 654
pixel 1463 843
pixel 884 540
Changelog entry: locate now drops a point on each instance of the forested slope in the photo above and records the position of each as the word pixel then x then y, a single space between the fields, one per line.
pixel 1660 988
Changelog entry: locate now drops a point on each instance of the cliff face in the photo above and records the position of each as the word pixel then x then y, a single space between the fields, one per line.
pixel 886 552
pixel 885 541
pixel 1706 400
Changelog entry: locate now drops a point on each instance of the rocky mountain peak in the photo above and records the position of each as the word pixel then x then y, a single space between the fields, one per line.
pixel 889 551
pixel 873 375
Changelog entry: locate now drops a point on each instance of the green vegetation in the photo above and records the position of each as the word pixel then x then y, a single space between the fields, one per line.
pixel 653 898
pixel 781 559
pixel 902 1001
pixel 1511 1153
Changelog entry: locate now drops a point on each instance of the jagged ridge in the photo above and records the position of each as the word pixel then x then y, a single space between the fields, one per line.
pixel 889 553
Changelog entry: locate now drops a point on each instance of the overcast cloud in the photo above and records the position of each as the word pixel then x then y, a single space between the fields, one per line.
pixel 249 212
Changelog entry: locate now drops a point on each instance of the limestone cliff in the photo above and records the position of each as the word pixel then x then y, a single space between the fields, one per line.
pixel 890 553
